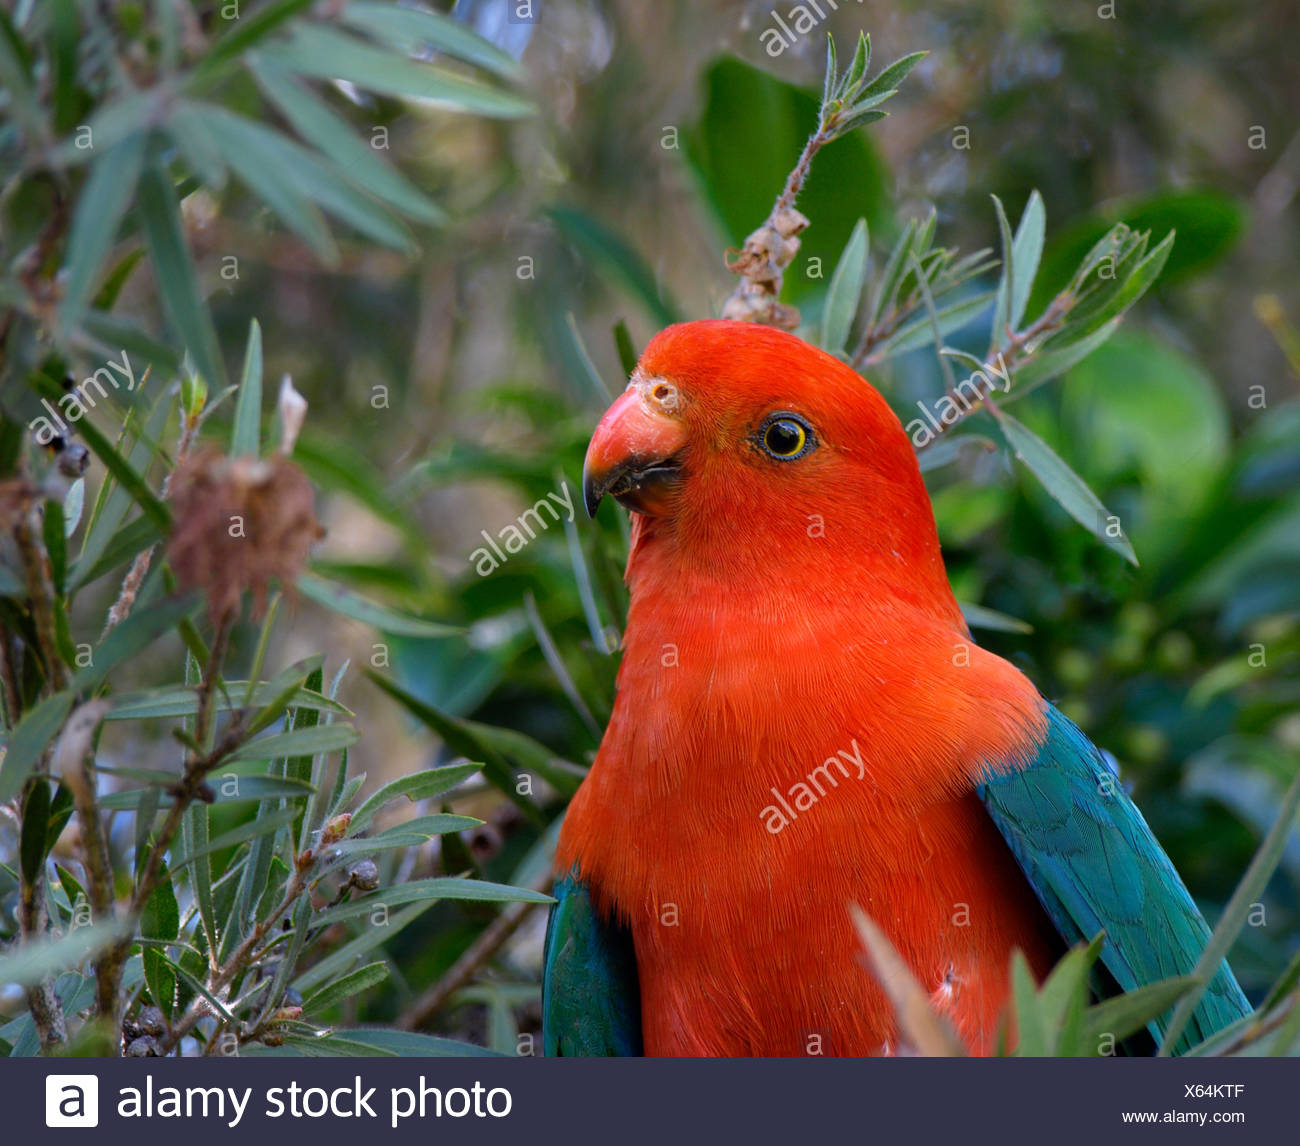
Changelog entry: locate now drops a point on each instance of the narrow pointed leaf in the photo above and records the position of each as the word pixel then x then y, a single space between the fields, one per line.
pixel 299 742
pixel 1238 909
pixel 320 126
pixel 418 29
pixel 100 209
pixel 178 282
pixel 1007 283
pixel 1064 485
pixel 246 431
pixel 1028 250
pixel 420 786
pixel 342 600
pixel 327 54
pixel 845 290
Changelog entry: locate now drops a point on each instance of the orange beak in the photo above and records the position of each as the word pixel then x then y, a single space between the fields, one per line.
pixel 634 455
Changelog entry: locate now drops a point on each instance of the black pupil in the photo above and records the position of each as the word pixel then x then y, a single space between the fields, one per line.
pixel 783 438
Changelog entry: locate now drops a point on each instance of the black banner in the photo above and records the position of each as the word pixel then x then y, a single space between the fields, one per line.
pixel 489 1101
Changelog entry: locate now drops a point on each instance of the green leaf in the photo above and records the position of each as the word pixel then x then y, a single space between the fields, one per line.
pixel 257 158
pixel 420 890
pixel 16 81
pixel 134 486
pixel 61 808
pixel 885 288
pixel 285 687
pixel 174 703
pixel 287 175
pixel 1140 409
pixel 291 956
pixel 830 77
pixel 889 78
pixel 195 837
pixel 1027 250
pixel 845 291
pixel 342 600
pixel 160 920
pixel 1031 1024
pixel 616 260
pixel 416 30
pixel 352 984
pixel 133 636
pixel 857 65
pixel 419 786
pixel 188 129
pixel 1129 1013
pixel 919 332
pixel 54 534
pixel 1007 287
pixel 107 543
pixel 245 31
pixel 178 283
pixel 246 431
pixel 412 833
pixel 942 451
pixel 1051 362
pixel 298 742
pixel 338 962
pixel 327 54
pixel 747 139
pixel 1209 221
pixel 1135 286
pixel 378 1042
pixel 333 135
pixel 1062 998
pixel 627 355
pixel 100 207
pixel 258 828
pixel 106 335
pixel 73 506
pixel 229 787
pixel 1238 909
pixel 978 617
pixel 31 962
pixel 29 739
pixel 36 822
pixel 64 35
pixel 577 348
pixel 491 745
pixel 1064 485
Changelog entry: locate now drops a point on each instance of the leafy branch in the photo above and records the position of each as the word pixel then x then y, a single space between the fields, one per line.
pixel 848 101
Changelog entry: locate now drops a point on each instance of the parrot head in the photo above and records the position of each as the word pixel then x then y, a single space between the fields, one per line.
pixel 740 447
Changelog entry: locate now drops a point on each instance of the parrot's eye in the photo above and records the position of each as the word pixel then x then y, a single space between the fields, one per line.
pixel 786 436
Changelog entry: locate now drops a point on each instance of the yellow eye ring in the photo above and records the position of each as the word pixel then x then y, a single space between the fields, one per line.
pixel 786 438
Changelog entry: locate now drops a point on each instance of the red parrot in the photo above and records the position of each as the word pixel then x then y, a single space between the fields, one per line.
pixel 804 723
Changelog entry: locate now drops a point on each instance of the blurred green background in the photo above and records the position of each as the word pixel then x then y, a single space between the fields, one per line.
pixel 452 389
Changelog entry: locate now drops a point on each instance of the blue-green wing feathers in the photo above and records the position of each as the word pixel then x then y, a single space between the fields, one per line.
pixel 591 1000
pixel 1095 866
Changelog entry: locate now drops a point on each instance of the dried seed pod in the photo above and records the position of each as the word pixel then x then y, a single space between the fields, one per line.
pixel 239 524
pixel 364 874
pixel 146 1046
pixel 789 222
pixel 150 1021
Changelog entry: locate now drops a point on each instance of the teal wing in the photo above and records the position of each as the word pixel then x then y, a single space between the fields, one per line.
pixel 1096 866
pixel 591 1001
